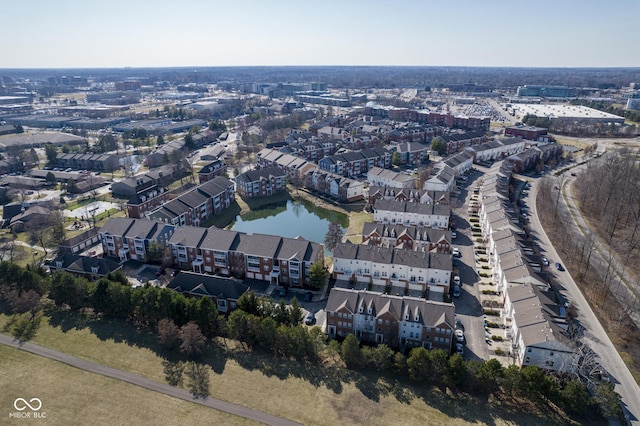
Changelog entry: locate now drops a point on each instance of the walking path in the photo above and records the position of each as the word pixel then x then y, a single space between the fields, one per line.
pixel 144 382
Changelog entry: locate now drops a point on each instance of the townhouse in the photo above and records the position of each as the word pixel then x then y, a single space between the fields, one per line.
pixel 401 269
pixel 410 195
pixel 261 183
pixel 442 178
pixel 341 188
pixel 408 213
pixel 355 163
pixel 459 163
pixel 145 201
pixel 399 322
pixel 536 325
pixel 278 260
pixel 417 238
pixel 413 153
pixel 458 141
pixel 129 239
pixel 198 204
pixel 377 176
pixel 97 162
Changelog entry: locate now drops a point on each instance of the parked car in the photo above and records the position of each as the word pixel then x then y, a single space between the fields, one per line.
pixel 545 261
pixel 559 266
pixel 308 296
pixel 453 234
pixel 459 324
pixel 456 291
pixel 459 335
pixel 310 319
pixel 456 280
pixel 460 349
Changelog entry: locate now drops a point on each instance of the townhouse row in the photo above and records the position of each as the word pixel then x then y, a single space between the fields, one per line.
pixel 401 269
pixel 399 322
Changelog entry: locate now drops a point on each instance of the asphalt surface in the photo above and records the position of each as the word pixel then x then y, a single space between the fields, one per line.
pixel 595 335
pixel 144 382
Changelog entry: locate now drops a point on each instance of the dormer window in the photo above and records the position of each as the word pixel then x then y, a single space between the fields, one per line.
pixel 406 317
pixel 58 264
pixel 94 269
pixel 369 311
pixel 360 309
pixel 417 318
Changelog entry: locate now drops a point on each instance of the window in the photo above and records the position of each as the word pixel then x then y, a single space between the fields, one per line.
pixel 380 321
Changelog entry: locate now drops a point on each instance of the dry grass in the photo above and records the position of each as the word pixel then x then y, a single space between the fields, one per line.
pixel 356 222
pixel 307 393
pixel 74 397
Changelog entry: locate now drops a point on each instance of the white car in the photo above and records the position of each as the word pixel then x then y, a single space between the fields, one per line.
pixel 459 335
pixel 456 280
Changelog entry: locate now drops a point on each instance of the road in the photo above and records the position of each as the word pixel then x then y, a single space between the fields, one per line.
pixel 144 382
pixel 595 335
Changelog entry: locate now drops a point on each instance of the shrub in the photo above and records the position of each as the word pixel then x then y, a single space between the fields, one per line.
pixel 491 292
pixel 491 312
pixel 493 325
pixel 499 351
pixel 496 338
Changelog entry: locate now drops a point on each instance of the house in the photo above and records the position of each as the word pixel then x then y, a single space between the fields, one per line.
pixel 401 269
pixel 279 260
pixel 408 213
pixel 130 239
pixel 161 176
pixel 399 322
pixel 224 292
pixel 198 204
pixel 166 153
pixel 91 268
pixel 535 323
pixel 212 170
pixel 33 214
pixel 145 201
pixel 261 183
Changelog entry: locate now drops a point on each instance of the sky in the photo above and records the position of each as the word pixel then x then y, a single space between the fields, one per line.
pixel 159 33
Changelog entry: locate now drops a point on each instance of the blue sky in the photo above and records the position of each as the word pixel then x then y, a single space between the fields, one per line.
pixel 117 33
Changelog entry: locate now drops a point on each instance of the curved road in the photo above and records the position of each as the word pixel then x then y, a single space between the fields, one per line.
pixel 144 382
pixel 595 335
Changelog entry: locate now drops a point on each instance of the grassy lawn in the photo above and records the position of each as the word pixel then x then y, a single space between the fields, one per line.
pixel 74 397
pixel 307 393
pixel 356 222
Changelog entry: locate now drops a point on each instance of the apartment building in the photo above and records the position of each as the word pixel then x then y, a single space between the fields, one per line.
pixel 261 183
pixel 146 201
pixel 418 238
pixel 198 204
pixel 129 239
pixel 279 260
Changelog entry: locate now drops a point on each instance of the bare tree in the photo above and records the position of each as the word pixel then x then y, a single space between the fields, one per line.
pixel 192 339
pixel 168 333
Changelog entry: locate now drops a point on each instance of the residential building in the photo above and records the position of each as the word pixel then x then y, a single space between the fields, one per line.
pixel 97 162
pixel 536 323
pixel 410 195
pixel 377 176
pixel 401 269
pixel 146 201
pixel 129 239
pixel 407 213
pixel 223 291
pixel 279 260
pixel 417 238
pixel 198 204
pixel 399 322
pixel 261 183
pixel 91 268
pixel 211 170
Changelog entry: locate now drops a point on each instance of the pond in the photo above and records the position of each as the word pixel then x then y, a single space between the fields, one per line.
pixel 290 219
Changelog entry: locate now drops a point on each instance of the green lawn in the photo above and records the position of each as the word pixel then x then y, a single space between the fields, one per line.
pixel 307 393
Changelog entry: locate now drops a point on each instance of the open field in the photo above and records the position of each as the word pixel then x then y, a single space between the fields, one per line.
pixel 74 397
pixel 307 393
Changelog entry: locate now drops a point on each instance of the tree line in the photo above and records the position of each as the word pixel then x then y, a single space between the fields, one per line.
pixel 262 324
